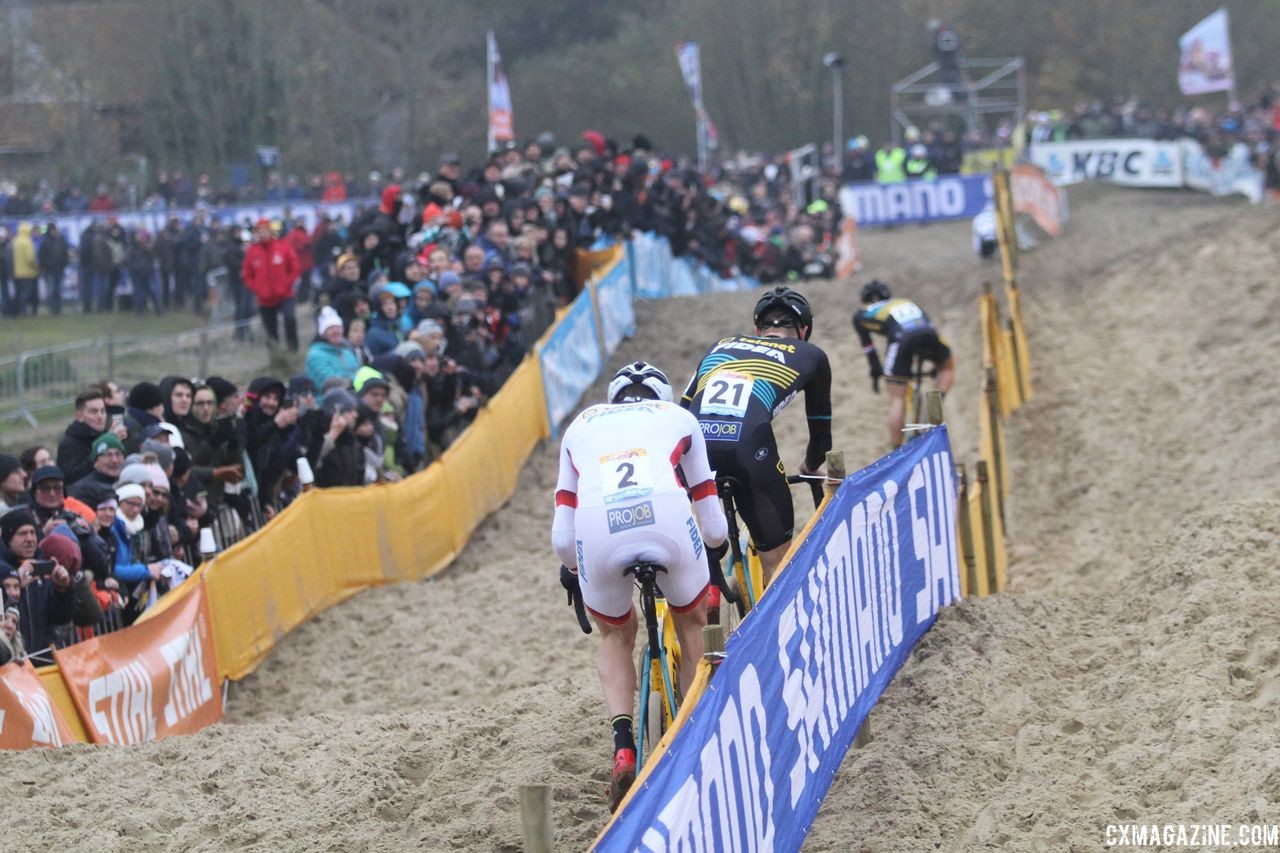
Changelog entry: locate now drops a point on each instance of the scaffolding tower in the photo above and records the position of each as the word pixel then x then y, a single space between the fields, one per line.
pixel 986 88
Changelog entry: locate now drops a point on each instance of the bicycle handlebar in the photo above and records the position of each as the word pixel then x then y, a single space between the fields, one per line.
pixel 815 485
pixel 580 610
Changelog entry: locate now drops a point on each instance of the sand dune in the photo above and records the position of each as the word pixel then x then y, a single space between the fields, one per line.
pixel 1131 673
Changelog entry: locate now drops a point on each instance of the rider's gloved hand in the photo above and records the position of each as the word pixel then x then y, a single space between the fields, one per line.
pixel 717 552
pixel 569 580
pixel 875 381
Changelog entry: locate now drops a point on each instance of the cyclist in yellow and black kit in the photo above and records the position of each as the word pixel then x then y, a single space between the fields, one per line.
pixel 740 387
pixel 910 334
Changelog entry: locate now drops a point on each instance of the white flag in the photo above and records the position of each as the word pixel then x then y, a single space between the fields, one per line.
pixel 1205 65
pixel 501 123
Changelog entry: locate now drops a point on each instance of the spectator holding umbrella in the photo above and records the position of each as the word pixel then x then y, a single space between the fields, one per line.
pixel 270 271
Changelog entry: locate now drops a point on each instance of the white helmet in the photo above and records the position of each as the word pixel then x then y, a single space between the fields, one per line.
pixel 639 373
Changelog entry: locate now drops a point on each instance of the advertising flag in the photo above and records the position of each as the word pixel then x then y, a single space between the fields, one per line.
pixel 689 55
pixel 1205 65
pixel 501 123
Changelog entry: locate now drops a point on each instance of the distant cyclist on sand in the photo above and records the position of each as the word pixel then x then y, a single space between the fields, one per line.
pixel 910 335
pixel 619 501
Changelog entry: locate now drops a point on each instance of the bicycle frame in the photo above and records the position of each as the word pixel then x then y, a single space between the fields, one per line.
pixel 738 565
pixel 659 677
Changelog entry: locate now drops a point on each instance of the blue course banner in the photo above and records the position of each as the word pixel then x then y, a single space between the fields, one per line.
pixel 617 310
pixel 751 765
pixel 946 197
pixel 571 359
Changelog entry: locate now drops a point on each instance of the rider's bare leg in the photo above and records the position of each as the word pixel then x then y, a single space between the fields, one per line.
pixel 616 664
pixel 689 627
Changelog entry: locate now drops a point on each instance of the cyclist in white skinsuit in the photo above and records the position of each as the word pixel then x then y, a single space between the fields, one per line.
pixel 619 501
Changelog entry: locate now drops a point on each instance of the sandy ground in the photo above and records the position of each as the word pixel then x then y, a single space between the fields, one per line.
pixel 1131 674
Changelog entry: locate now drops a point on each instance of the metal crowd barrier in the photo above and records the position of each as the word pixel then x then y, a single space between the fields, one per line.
pixel 40 380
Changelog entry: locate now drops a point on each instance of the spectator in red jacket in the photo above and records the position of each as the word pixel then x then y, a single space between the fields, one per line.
pixel 270 272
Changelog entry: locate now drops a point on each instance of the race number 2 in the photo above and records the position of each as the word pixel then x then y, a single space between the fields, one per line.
pixel 625 476
pixel 727 394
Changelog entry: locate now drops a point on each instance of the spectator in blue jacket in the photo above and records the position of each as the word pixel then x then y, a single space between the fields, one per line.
pixel 330 354
pixel 384 326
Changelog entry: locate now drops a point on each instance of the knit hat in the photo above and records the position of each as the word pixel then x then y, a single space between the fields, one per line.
pixel 426 327
pixel 13 521
pixel 62 547
pixel 46 472
pixel 327 319
pixel 163 452
pixel 159 479
pixel 130 490
pixel 103 443
pixel 302 384
pixel 222 389
pixel 8 464
pixel 410 350
pixel 135 473
pixel 449 278
pixel 145 396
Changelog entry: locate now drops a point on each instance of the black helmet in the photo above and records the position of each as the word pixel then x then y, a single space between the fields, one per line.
pixel 791 302
pixel 875 291
pixel 639 373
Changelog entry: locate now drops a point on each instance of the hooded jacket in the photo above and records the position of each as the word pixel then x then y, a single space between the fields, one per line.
pixel 74 451
pixel 24 254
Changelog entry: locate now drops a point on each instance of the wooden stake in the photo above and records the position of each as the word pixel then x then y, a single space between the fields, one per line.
pixel 933 405
pixel 535 818
pixel 863 737
pixel 997 439
pixel 835 469
pixel 713 641
pixel 988 534
pixel 965 524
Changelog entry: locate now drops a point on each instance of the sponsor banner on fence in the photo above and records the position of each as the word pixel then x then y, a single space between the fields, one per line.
pixel 617 310
pixel 27 717
pixel 72 225
pixel 750 767
pixel 946 197
pixel 154 679
pixel 1035 195
pixel 1228 175
pixel 1131 162
pixel 571 359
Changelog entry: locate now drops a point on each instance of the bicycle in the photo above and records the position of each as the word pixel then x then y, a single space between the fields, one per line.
pixel 743 585
pixel 659 690
pixel 914 404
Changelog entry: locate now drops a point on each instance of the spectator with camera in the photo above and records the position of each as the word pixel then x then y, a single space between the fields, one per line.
pixel 45 598
pixel 333 452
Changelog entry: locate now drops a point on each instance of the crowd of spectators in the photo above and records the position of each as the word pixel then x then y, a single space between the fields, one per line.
pixel 424 305
pixel 526 207
pixel 939 149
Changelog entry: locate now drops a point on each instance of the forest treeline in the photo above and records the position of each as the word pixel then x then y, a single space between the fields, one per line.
pixel 349 83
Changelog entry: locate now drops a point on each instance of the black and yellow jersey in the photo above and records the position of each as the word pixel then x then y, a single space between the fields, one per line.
pixel 744 382
pixel 892 318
